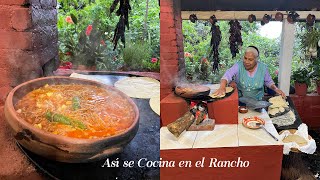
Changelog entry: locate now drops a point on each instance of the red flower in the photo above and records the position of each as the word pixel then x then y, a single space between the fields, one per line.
pixel 89 29
pixel 63 67
pixel 205 60
pixel 68 53
pixel 154 60
pixel 69 20
pixel 102 42
pixel 68 64
pixel 187 54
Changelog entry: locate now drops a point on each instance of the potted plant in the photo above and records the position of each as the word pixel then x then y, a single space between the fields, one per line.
pixel 301 77
pixel 316 73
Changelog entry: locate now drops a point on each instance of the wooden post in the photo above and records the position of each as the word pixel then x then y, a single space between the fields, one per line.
pixel 286 53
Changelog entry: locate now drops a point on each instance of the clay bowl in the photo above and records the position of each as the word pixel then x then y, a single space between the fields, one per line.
pixel 62 148
pixel 243 109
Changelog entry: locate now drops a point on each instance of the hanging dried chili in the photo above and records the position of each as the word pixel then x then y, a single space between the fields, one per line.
pixel 123 12
pixel 214 43
pixel 119 33
pixel 235 38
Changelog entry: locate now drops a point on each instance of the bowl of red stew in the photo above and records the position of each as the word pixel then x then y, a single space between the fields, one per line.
pixel 71 120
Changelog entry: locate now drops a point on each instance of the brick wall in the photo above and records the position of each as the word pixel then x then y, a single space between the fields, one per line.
pixel 308 108
pixel 171 45
pixel 28 41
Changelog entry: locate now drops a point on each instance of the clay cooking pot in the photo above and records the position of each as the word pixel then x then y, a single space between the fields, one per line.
pixel 62 148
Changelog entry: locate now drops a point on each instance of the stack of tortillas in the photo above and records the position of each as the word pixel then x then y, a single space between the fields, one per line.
pixel 228 90
pixel 295 138
pixel 139 87
pixel 279 105
pixel 142 87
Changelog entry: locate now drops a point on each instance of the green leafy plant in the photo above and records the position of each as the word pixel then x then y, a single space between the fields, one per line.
pixel 73 43
pixel 315 74
pixel 151 65
pixel 87 47
pixel 302 75
pixel 190 67
pixel 135 54
pixel 204 69
pixel 309 39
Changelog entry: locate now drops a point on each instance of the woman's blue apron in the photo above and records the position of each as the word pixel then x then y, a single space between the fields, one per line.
pixel 251 86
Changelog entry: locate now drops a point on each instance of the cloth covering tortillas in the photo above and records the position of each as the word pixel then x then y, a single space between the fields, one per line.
pixel 155 104
pixel 296 143
pixel 139 87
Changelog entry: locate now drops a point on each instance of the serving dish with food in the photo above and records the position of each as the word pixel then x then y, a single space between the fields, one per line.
pixel 71 120
pixel 253 122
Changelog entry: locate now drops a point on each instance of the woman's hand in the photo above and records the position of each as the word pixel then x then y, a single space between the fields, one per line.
pixel 220 92
pixel 278 91
pixel 233 85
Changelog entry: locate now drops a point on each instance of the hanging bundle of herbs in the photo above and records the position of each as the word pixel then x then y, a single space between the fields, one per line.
pixel 235 38
pixel 123 12
pixel 214 43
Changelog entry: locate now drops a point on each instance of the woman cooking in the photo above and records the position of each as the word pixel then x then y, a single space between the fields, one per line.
pixel 250 76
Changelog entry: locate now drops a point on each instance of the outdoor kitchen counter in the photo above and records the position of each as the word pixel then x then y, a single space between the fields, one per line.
pixel 223 135
pixel 257 137
pixel 226 143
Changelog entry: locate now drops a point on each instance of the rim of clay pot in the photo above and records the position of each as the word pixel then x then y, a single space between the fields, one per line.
pixel 63 139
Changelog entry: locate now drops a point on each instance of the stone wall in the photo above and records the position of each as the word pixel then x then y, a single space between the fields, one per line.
pixel 28 41
pixel 171 45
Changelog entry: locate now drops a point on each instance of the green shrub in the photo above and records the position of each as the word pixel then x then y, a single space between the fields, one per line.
pixel 135 54
pixel 89 50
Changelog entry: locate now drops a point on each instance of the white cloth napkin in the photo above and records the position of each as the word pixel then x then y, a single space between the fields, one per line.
pixel 302 131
